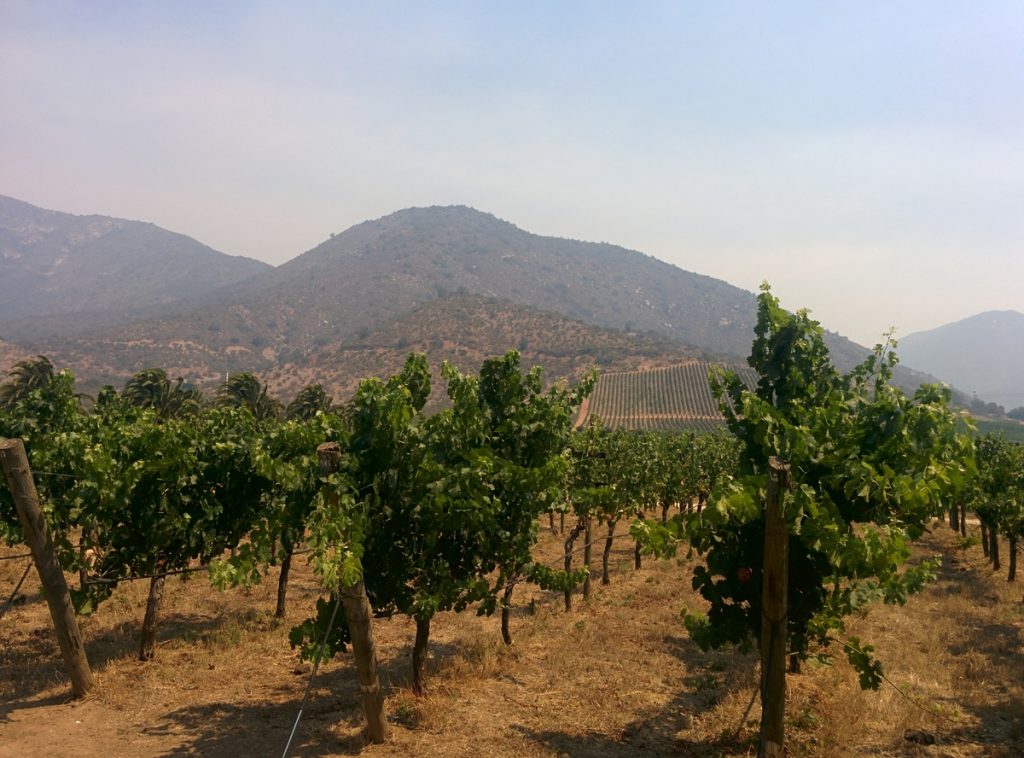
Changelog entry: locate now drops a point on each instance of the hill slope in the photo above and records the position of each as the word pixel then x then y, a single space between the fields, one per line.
pixel 983 354
pixel 55 265
pixel 463 329
pixel 379 269
pixel 9 355
pixel 341 292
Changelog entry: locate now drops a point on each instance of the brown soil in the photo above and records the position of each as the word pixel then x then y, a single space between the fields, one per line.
pixel 616 677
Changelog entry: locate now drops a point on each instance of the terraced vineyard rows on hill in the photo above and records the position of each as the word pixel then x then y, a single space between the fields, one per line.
pixel 676 398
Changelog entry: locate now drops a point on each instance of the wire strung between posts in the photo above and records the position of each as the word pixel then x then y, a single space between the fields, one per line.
pixel 17 587
pixel 15 557
pixel 105 580
pixel 173 572
pixel 58 474
pixel 312 676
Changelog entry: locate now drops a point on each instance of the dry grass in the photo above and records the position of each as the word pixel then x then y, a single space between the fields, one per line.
pixel 616 677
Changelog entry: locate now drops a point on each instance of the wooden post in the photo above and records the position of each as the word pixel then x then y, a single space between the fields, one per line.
pixel 774 591
pixel 19 478
pixel 358 616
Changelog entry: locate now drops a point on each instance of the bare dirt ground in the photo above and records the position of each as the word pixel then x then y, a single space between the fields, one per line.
pixel 618 676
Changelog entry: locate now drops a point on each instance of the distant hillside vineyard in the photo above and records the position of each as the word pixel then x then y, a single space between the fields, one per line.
pixel 676 398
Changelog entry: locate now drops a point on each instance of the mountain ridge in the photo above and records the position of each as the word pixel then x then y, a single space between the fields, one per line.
pixel 354 283
pixel 981 354
pixel 64 268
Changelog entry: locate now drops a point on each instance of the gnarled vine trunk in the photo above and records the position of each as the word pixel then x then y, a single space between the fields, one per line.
pixel 419 656
pixel 147 640
pixel 506 609
pixel 569 543
pixel 1012 559
pixel 282 580
pixel 605 578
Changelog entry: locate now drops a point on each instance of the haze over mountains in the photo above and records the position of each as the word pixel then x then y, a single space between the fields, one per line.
pixel 109 297
pixel 982 354
pixel 83 270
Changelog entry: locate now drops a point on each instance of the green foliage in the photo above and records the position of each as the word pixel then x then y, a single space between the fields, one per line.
pixel 150 388
pixel 427 508
pixel 870 468
pixel 142 485
pixel 27 376
pixel 868 669
pixel 39 405
pixel 311 634
pixel 286 471
pixel 244 390
pixel 309 401
pixel 997 491
pixel 1012 430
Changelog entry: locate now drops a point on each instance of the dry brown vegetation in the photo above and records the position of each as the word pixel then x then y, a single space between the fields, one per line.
pixel 9 355
pixel 618 676
pixel 462 329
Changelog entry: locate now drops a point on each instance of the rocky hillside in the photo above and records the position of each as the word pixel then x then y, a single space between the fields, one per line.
pixel 463 329
pixel 9 355
pixel 378 270
pixel 61 273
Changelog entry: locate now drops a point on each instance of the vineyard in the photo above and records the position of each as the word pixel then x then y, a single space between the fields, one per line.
pixel 386 528
pixel 673 399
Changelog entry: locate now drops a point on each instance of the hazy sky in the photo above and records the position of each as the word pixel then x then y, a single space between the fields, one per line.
pixel 865 157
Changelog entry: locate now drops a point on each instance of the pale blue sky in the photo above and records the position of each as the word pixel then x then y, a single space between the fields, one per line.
pixel 866 157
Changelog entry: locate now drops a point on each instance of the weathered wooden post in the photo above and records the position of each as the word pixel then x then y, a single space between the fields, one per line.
pixel 19 478
pixel 358 616
pixel 774 591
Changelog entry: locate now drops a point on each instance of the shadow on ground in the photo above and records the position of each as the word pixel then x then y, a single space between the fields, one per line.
pixel 35 664
pixel 711 676
pixel 985 646
pixel 263 728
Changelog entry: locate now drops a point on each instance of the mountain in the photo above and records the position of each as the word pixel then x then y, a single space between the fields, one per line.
pixel 380 269
pixel 982 354
pixel 60 272
pixel 355 286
